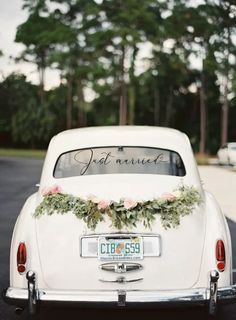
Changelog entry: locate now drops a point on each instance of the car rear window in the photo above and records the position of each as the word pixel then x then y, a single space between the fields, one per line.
pixel 118 160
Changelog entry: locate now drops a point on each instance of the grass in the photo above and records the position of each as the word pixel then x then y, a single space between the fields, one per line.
pixel 23 153
pixel 202 159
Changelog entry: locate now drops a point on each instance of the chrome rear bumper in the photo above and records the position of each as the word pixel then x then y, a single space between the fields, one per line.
pixel 33 297
pixel 137 298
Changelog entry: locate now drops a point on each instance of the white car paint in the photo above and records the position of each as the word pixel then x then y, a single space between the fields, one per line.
pixel 53 242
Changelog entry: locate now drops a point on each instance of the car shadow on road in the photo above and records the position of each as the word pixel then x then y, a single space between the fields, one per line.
pixel 137 314
pixel 232 228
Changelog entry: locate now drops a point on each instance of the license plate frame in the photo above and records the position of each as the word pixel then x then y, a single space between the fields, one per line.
pixel 110 249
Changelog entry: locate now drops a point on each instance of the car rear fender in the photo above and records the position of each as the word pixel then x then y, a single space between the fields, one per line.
pixel 24 231
pixel 216 229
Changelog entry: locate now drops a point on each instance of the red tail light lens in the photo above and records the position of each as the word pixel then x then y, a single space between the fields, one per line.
pixel 21 268
pixel 220 255
pixel 21 257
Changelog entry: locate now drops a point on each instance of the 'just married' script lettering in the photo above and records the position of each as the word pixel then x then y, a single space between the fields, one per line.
pixel 86 158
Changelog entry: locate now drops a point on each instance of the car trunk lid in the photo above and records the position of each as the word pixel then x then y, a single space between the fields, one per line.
pixel 60 237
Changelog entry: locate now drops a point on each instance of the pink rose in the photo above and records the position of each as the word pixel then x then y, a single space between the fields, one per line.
pixel 103 204
pixel 51 190
pixel 130 204
pixel 168 196
pixel 55 189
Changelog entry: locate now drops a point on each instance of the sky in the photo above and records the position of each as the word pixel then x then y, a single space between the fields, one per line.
pixel 11 15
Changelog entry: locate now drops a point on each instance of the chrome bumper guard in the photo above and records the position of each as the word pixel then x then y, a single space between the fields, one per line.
pixel 122 298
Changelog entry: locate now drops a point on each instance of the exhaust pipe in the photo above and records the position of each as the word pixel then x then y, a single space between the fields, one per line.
pixel 18 311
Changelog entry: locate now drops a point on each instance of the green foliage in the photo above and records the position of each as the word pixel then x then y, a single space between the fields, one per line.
pixel 97 44
pixel 170 209
pixel 15 93
pixel 33 124
pixel 22 115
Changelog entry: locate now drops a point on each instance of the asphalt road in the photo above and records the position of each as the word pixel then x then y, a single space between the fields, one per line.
pixel 17 180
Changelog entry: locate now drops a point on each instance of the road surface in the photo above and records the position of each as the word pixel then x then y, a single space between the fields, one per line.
pixel 17 180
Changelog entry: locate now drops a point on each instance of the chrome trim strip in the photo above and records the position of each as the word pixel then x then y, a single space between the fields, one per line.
pixel 121 279
pixel 120 235
pixel 132 296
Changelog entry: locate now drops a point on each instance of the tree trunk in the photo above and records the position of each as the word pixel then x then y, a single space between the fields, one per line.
pixel 41 70
pixel 41 87
pixel 80 103
pixel 123 104
pixel 69 103
pixel 225 105
pixel 156 105
pixel 131 90
pixel 225 108
pixel 131 104
pixel 169 107
pixel 202 146
pixel 123 93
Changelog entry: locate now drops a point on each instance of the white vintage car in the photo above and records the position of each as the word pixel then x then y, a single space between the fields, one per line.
pixel 227 154
pixel 120 219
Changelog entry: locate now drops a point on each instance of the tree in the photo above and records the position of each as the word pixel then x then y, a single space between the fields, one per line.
pixel 124 30
pixel 96 45
pixel 77 59
pixel 221 17
pixel 20 113
pixel 40 34
pixel 227 28
pixel 32 125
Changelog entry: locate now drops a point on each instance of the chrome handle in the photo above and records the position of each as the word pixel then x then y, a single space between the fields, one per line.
pixel 121 267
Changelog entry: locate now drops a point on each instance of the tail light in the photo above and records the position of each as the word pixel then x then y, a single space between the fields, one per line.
pixel 21 257
pixel 220 255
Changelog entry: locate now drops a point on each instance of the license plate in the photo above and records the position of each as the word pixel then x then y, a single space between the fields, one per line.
pixel 120 249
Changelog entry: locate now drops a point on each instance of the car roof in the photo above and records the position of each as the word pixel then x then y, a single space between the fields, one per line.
pixel 116 135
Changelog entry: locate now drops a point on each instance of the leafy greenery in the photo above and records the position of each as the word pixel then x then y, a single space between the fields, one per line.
pixel 201 159
pixel 170 208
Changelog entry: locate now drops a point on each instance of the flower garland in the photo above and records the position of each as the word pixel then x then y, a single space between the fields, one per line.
pixel 125 213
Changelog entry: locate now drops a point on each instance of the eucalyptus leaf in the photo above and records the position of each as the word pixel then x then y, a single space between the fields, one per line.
pixel 170 211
